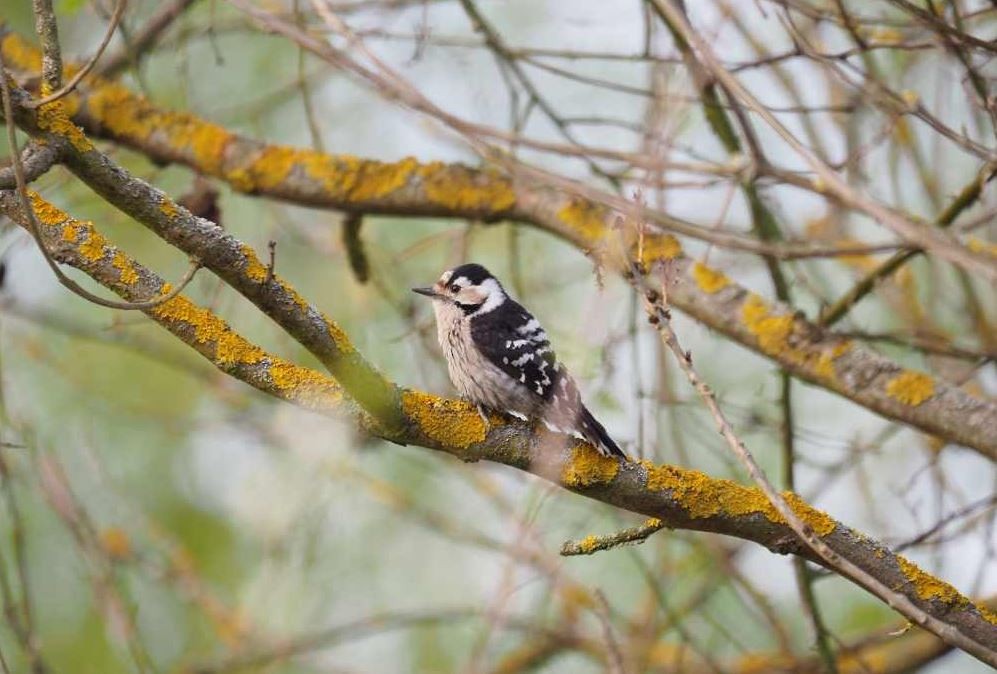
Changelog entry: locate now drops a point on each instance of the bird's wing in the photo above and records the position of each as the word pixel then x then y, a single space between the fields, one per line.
pixel 514 341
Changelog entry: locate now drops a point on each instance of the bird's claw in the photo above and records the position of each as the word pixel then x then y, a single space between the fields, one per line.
pixel 484 417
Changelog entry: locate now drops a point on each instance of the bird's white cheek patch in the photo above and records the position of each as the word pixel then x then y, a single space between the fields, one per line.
pixel 472 296
pixel 492 294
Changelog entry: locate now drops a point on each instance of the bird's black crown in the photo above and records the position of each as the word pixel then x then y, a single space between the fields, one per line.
pixel 473 272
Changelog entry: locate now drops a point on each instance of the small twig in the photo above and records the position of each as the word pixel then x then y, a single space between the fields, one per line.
pixel 119 10
pixel 913 232
pixel 981 504
pixel 272 263
pixel 146 36
pixel 614 660
pixel 354 247
pixel 592 544
pixel 969 195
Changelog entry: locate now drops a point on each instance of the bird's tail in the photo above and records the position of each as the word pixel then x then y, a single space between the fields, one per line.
pixel 595 433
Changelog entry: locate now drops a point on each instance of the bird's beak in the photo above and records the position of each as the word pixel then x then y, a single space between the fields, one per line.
pixel 428 292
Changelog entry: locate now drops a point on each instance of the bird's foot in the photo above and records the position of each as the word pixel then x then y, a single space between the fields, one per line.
pixel 484 417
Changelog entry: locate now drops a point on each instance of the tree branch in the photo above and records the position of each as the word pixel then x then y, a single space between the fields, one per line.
pixel 680 498
pixel 408 187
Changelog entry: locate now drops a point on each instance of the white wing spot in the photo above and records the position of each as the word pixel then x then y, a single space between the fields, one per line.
pixel 531 326
pixel 522 360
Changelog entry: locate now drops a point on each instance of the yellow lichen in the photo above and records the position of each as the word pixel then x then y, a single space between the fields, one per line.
pixel 911 388
pixel 461 188
pixel 452 423
pixel 343 177
pixel 167 207
pixel 126 269
pixel 70 229
pixel 254 269
pixel 587 467
pixel 95 247
pixel 929 587
pixel 588 544
pixel 209 329
pixel 20 54
pixel 771 331
pixel 761 663
pixel 115 543
pixel 295 296
pixel 69 233
pixel 304 385
pixel 47 213
pixel 207 141
pixel 338 336
pixel 709 280
pixel 587 221
pixel 980 246
pixel 704 496
pixel 379 179
pixel 126 115
pixel 775 337
pixel 270 167
pixel 54 117
pixel 655 247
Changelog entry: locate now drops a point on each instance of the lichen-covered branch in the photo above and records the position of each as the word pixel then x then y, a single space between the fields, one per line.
pixel 79 244
pixel 215 249
pixel 680 498
pixel 407 187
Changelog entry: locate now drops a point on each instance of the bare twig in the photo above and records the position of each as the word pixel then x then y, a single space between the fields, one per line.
pixel 592 544
pixel 166 13
pixel 912 232
pixel 119 11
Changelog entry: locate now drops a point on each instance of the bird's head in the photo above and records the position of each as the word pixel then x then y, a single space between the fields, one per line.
pixel 470 287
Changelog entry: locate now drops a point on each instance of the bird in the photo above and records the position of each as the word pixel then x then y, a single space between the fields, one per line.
pixel 499 357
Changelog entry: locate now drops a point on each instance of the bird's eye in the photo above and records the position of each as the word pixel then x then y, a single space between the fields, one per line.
pixel 454 287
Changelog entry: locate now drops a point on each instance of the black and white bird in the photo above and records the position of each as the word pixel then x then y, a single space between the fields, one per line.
pixel 500 358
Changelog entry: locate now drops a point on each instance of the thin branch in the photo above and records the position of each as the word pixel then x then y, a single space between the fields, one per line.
pixel 914 233
pixel 966 198
pixel 593 544
pixel 119 11
pixel 979 648
pixel 166 13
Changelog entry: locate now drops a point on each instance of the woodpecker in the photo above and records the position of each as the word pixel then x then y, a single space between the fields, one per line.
pixel 499 356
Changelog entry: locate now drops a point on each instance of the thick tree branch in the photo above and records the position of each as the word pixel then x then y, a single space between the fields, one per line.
pixel 680 498
pixel 408 187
